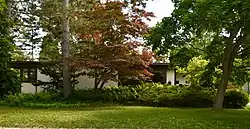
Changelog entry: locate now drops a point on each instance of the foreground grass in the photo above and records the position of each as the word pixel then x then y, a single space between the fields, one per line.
pixel 125 117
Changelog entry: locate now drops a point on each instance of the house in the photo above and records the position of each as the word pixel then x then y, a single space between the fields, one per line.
pixel 29 73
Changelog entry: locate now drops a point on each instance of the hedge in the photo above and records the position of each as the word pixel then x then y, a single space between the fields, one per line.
pixel 148 94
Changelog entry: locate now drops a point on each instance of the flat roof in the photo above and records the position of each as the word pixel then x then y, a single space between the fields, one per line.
pixel 35 64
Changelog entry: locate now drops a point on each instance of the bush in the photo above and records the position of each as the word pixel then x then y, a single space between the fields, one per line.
pixel 42 97
pixel 9 83
pixel 66 105
pixel 235 98
pixel 108 94
pixel 175 96
pixel 83 95
pixel 147 94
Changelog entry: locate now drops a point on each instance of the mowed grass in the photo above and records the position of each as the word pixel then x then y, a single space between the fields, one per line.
pixel 126 117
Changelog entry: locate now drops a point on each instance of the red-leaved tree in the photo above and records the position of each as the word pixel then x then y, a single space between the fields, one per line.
pixel 108 41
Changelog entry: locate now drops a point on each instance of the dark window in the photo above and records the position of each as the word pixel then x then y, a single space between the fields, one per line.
pixel 177 82
pixel 28 74
pixel 159 77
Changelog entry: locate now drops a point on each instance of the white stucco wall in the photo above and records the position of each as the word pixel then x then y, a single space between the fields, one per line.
pixel 42 77
pixel 170 76
pixel 245 87
pixel 181 79
pixel 84 82
pixel 29 88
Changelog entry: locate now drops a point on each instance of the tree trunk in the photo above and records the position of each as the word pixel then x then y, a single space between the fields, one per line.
pixel 221 89
pixel 229 56
pixel 67 89
pixel 102 84
pixel 96 83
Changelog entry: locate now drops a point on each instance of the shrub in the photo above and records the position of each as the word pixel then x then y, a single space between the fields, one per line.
pixel 147 94
pixel 42 97
pixel 235 98
pixel 119 94
pixel 9 83
pixel 167 95
pixel 83 95
pixel 108 94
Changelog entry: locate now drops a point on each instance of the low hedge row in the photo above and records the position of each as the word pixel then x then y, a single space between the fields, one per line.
pixel 147 94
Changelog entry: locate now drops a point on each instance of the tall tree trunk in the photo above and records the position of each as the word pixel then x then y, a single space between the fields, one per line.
pixel 227 65
pixel 222 88
pixel 67 89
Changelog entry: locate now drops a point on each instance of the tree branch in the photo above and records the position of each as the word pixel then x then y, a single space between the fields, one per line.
pixel 198 48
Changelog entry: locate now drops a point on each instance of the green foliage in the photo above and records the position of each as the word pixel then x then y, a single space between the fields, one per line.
pixel 240 75
pixel 9 81
pixel 49 49
pixel 11 84
pixel 22 99
pixel 227 23
pixel 194 70
pixel 176 96
pixel 115 94
pixel 146 94
pixel 5 39
pixel 125 117
pixel 26 31
pixel 55 73
pixel 19 55
pixel 235 98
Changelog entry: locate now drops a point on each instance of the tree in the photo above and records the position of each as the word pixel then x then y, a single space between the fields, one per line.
pixel 227 21
pixel 9 82
pixel 49 49
pixel 90 19
pixel 194 70
pixel 67 88
pixel 27 28
pixel 240 73
pixel 107 45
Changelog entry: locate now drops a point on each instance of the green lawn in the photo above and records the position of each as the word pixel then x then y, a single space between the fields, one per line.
pixel 126 117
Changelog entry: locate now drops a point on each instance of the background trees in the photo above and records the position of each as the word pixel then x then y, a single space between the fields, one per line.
pixel 226 22
pixel 9 81
pixel 104 39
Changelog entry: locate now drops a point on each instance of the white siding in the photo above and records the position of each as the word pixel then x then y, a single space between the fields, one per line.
pixel 84 82
pixel 181 79
pixel 245 87
pixel 42 77
pixel 29 88
pixel 111 83
pixel 170 76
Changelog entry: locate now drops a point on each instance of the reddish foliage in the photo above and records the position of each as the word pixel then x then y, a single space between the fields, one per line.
pixel 107 41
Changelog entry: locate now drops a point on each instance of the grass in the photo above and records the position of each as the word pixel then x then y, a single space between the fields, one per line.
pixel 126 117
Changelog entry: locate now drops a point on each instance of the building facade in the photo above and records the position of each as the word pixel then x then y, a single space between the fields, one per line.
pixel 30 72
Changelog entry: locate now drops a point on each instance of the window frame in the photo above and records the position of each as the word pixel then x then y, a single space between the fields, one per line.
pixel 29 80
